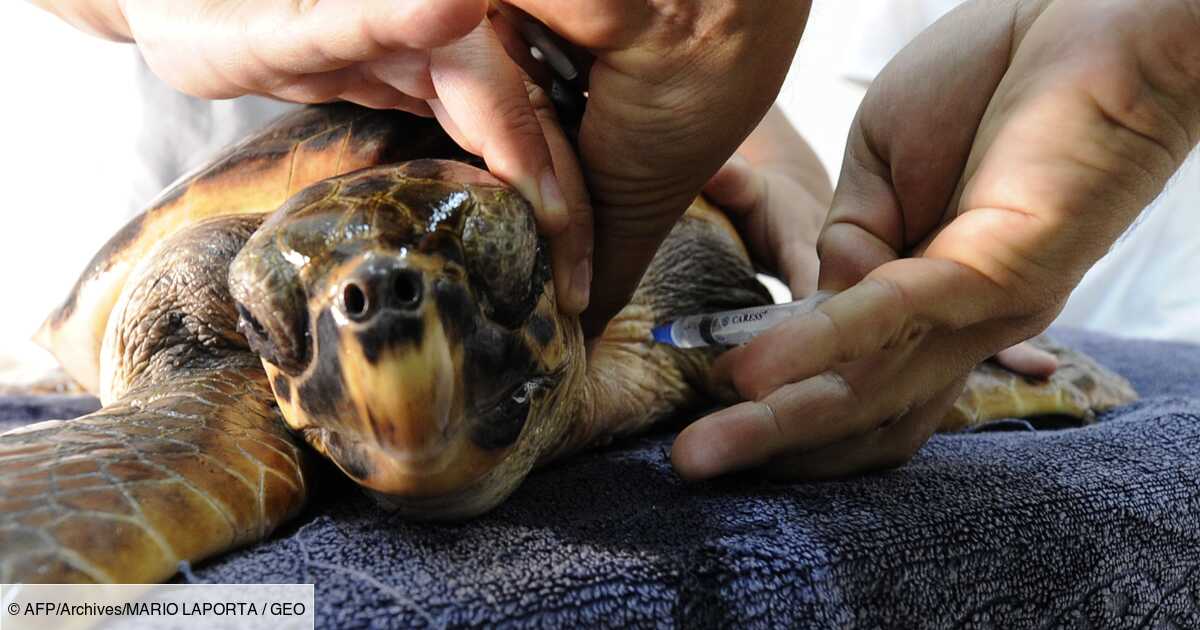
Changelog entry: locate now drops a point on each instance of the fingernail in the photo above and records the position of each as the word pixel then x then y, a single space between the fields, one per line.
pixel 1047 365
pixel 703 450
pixel 531 191
pixel 554 204
pixel 581 285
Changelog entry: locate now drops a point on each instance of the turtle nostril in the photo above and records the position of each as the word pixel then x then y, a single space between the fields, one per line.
pixel 354 300
pixel 407 289
pixel 376 289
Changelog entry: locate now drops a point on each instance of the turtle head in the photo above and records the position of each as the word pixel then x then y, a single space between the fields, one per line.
pixel 407 324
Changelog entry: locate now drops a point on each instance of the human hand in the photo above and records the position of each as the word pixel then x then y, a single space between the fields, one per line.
pixel 974 196
pixel 444 58
pixel 777 193
pixel 674 87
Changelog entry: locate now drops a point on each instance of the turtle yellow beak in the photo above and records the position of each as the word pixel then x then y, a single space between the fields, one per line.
pixel 406 395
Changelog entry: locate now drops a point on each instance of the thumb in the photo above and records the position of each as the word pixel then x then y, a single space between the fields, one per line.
pixel 492 109
pixel 483 102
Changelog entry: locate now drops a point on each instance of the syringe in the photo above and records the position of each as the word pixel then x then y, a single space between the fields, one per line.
pixel 733 328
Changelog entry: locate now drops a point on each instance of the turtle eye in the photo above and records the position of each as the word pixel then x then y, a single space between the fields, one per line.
pixel 251 328
pixel 280 349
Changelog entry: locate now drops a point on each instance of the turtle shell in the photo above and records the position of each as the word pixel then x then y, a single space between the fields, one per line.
pixel 255 176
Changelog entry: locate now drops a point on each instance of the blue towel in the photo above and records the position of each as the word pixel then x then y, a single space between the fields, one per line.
pixel 1083 528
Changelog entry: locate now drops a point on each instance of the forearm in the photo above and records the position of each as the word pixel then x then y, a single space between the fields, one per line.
pixel 102 18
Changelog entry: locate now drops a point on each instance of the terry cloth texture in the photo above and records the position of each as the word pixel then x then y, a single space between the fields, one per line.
pixel 1082 528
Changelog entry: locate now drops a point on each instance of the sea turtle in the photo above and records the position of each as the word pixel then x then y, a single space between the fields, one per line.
pixel 349 279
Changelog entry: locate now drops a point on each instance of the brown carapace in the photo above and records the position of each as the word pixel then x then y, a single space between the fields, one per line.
pixel 350 280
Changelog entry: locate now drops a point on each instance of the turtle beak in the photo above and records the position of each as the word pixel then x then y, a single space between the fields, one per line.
pixel 400 368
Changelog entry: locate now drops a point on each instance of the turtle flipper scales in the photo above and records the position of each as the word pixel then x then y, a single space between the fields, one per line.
pixel 166 474
pixel 189 456
pixel 1073 395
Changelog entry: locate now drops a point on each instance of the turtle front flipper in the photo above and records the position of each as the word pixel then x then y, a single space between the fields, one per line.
pixel 189 456
pixel 171 472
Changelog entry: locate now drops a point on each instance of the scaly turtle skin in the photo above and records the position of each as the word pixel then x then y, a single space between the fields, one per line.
pixel 396 315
